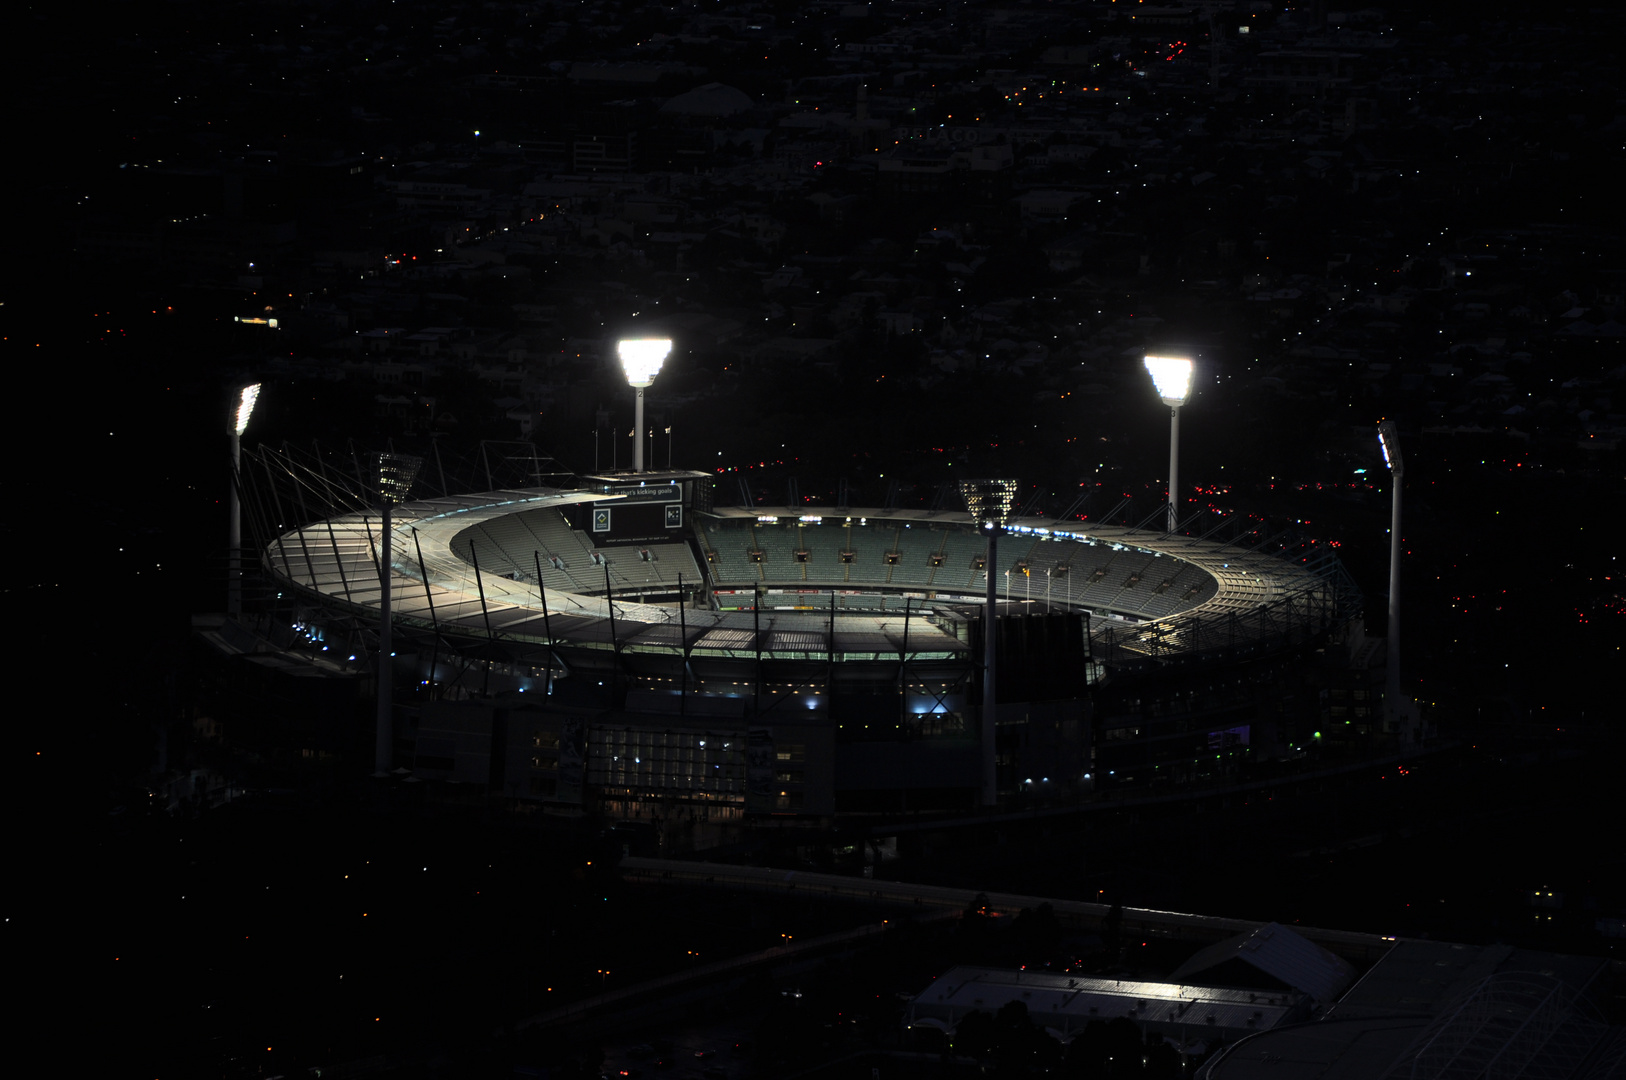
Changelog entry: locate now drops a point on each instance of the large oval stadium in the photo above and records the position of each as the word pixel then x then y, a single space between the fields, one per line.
pixel 620 641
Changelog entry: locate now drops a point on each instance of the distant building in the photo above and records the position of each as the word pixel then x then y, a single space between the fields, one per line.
pixel 1184 1013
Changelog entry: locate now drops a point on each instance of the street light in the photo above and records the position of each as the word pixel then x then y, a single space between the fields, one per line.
pixel 641 359
pixel 1389 440
pixel 394 473
pixel 990 503
pixel 1172 377
pixel 246 397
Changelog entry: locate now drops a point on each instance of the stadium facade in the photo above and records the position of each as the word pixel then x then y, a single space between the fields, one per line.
pixel 618 643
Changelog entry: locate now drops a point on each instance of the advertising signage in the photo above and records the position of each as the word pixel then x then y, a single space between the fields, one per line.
pixel 622 522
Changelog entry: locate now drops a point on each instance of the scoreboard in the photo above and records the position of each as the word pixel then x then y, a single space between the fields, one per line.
pixel 629 522
pixel 650 509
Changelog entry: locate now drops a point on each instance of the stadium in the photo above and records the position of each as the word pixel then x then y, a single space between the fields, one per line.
pixel 618 642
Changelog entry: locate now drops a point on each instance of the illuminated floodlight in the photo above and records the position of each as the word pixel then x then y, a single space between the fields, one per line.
pixel 246 397
pixel 245 405
pixel 989 501
pixel 396 472
pixel 1172 377
pixel 641 359
pixel 1389 439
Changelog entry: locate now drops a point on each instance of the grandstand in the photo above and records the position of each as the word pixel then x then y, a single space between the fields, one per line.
pixel 635 596
pixel 1170 589
pixel 471 564
pixel 515 545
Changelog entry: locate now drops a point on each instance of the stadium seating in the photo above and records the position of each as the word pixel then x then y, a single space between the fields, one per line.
pixel 1099 575
pixel 729 542
pixel 824 545
pixel 778 542
pixel 1201 595
pixel 870 545
pixel 916 546
pixel 630 571
pixel 503 547
pixel 961 550
pixel 509 547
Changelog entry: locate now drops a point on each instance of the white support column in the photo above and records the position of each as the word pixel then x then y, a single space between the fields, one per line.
pixel 384 746
pixel 1395 710
pixel 246 397
pixel 1171 375
pixel 638 433
pixel 1174 467
pixel 641 358
pixel 990 774
pixel 234 533
pixel 1392 676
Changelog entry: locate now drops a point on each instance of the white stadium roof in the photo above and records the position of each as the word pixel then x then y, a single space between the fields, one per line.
pixel 336 558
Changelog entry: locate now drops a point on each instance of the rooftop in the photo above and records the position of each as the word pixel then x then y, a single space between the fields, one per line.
pixel 1063 1004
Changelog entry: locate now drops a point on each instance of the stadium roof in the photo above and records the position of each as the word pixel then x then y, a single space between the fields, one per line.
pixel 1064 1004
pixel 1433 1010
pixel 432 585
pixel 1249 583
pixel 1279 953
pixel 337 558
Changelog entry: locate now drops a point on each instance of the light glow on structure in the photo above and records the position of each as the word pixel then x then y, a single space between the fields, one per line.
pixel 1172 377
pixel 1389 439
pixel 641 359
pixel 245 405
pixel 990 501
pixel 396 472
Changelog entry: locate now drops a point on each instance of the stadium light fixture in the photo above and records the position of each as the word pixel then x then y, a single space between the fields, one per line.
pixel 1389 440
pixel 1171 375
pixel 245 405
pixel 641 359
pixel 396 472
pixel 246 397
pixel 990 503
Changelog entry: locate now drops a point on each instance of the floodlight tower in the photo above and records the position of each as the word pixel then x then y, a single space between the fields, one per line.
pixel 990 503
pixel 1389 440
pixel 246 397
pixel 1172 377
pixel 641 359
pixel 395 474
